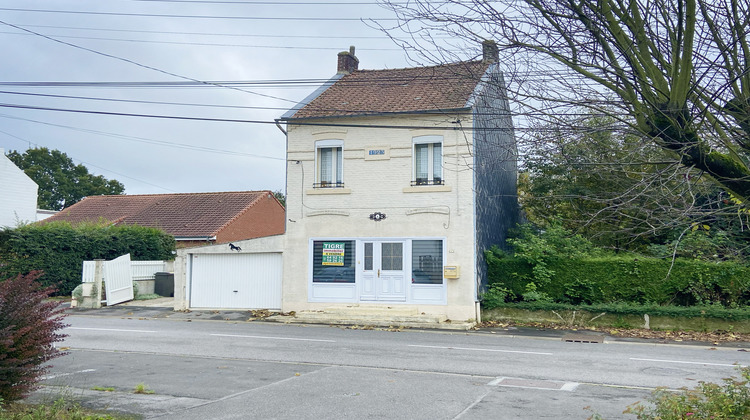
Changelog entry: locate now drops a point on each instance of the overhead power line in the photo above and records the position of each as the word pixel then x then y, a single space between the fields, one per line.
pixel 179 76
pixel 245 121
pixel 225 34
pixel 274 3
pixel 133 101
pixel 226 17
pixel 148 140
pixel 209 44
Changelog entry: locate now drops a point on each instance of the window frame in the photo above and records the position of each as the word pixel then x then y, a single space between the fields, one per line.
pixel 433 274
pixel 337 164
pixel 342 275
pixel 431 141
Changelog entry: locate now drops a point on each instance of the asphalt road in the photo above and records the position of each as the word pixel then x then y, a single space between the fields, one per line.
pixel 236 370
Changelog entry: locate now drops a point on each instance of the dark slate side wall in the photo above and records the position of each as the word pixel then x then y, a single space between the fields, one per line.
pixel 495 170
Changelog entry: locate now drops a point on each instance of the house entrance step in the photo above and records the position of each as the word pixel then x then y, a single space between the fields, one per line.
pixel 372 310
pixel 375 317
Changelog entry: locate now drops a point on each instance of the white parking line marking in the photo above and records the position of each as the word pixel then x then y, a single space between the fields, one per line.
pixel 109 329
pixel 684 362
pixel 44 378
pixel 476 349
pixel 534 384
pixel 273 338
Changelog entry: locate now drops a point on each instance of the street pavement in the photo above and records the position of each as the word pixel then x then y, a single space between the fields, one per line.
pixel 220 364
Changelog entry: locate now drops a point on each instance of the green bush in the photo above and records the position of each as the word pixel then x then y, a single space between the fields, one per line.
pixel 565 268
pixel 627 279
pixel 59 249
pixel 708 401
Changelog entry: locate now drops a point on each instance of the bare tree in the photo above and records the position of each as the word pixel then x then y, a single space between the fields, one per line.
pixel 675 72
pixel 624 192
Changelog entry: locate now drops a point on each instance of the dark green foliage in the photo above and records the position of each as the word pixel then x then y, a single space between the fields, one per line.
pixel 280 196
pixel 618 191
pixel 627 279
pixel 28 330
pixel 59 249
pixel 730 400
pixel 565 268
pixel 61 182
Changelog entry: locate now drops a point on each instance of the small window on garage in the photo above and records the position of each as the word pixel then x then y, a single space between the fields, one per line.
pixel 333 261
pixel 427 262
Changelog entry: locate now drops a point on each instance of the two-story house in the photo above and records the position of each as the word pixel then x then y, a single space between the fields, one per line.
pixel 397 181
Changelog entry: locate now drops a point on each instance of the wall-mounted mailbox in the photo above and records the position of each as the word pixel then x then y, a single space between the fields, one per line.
pixel 451 272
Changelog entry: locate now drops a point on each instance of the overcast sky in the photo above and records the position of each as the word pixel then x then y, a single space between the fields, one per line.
pixel 150 57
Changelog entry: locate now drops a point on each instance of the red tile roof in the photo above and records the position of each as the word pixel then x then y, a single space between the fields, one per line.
pixel 417 89
pixel 181 215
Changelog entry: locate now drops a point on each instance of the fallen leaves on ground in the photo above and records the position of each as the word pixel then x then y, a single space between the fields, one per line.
pixel 714 337
pixel 261 313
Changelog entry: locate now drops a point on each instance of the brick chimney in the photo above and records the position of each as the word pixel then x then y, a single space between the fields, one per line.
pixel 490 53
pixel 348 62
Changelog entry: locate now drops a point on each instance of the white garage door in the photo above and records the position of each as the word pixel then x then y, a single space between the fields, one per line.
pixel 237 281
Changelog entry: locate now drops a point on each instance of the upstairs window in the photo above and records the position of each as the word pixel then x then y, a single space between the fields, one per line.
pixel 329 157
pixel 428 160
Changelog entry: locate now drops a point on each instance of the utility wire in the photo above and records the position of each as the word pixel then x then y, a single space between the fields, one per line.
pixel 90 164
pixel 147 140
pixel 142 102
pixel 208 44
pixel 139 64
pixel 302 122
pixel 77 28
pixel 229 17
pixel 275 3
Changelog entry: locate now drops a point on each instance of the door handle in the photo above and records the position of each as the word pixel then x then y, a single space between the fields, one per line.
pixel 378 273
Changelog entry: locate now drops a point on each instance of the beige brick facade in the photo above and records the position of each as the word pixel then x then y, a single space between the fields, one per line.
pixel 383 185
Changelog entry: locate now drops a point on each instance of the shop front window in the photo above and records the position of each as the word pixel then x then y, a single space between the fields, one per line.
pixel 333 261
pixel 427 262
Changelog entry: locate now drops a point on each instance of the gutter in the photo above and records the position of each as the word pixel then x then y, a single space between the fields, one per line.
pixel 195 238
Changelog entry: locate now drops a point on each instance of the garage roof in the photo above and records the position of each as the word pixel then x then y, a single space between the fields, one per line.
pixel 181 215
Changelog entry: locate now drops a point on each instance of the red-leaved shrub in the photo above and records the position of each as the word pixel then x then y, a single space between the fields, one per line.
pixel 29 326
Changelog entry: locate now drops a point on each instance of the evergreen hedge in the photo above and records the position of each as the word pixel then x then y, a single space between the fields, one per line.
pixel 59 249
pixel 596 280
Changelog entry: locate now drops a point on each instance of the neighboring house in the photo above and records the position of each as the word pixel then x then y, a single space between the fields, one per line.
pixel 18 194
pixel 193 219
pixel 397 181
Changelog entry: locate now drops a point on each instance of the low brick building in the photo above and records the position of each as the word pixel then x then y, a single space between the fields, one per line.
pixel 193 218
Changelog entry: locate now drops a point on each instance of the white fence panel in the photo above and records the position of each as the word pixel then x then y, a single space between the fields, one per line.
pixel 118 281
pixel 145 270
pixel 140 270
pixel 88 272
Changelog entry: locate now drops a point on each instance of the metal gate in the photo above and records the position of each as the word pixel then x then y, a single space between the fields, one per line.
pixel 235 281
pixel 118 281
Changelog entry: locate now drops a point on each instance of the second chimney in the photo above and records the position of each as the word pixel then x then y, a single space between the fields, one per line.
pixel 490 53
pixel 348 62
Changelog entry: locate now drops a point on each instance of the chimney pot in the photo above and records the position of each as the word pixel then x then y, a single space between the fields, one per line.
pixel 490 53
pixel 347 61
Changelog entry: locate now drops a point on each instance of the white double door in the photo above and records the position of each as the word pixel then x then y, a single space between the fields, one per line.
pixel 383 275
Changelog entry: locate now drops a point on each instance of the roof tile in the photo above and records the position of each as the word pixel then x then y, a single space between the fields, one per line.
pixel 416 89
pixel 181 215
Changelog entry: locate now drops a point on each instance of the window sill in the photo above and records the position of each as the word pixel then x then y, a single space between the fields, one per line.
pixel 327 191
pixel 427 189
